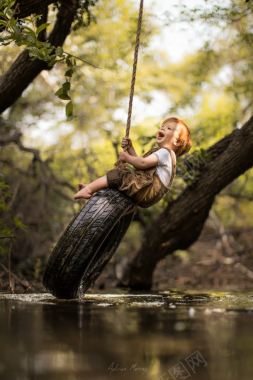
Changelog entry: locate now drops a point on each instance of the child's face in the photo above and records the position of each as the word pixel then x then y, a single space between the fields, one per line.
pixel 168 133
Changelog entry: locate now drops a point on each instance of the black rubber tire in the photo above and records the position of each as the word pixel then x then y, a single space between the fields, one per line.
pixel 88 243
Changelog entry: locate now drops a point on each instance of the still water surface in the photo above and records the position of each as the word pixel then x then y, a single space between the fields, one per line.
pixel 170 335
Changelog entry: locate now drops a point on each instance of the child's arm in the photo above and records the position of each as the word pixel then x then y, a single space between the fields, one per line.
pixel 128 146
pixel 139 162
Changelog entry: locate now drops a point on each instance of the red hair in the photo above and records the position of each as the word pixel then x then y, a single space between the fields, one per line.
pixel 185 142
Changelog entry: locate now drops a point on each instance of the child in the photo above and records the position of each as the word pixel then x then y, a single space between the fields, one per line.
pixel 147 178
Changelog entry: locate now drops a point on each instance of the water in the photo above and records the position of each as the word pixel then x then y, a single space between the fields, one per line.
pixel 164 336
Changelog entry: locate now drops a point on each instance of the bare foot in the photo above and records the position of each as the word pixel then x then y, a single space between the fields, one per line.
pixel 85 193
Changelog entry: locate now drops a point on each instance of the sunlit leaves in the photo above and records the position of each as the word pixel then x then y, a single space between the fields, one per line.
pixel 27 32
pixel 64 91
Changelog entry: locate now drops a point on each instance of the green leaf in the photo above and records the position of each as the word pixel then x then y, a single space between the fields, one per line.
pixel 69 109
pixel 66 86
pixel 41 27
pixel 64 97
pixel 8 13
pixel 12 22
pixel 62 94
pixel 59 92
pixel 69 73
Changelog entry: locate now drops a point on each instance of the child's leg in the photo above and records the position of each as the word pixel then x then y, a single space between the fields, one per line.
pixel 90 188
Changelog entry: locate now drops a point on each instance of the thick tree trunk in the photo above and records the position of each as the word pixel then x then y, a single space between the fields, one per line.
pixel 25 8
pixel 182 221
pixel 23 70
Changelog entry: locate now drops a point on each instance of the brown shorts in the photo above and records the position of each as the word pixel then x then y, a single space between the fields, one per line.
pixel 143 186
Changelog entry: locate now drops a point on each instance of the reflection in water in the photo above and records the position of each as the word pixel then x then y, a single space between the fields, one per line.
pixel 170 335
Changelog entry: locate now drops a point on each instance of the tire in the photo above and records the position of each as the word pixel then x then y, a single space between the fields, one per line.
pixel 88 243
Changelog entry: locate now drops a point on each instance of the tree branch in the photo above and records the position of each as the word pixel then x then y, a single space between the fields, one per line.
pixel 24 283
pixel 15 138
pixel 24 69
pixel 182 221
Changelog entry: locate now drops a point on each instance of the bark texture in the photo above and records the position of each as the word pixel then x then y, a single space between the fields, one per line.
pixel 182 221
pixel 24 69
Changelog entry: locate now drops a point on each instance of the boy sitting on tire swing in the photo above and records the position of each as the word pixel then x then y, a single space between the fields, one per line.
pixel 147 178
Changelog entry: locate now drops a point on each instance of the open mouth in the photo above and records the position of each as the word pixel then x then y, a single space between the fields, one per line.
pixel 160 134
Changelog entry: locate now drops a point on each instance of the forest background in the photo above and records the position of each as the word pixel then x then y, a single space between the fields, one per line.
pixel 65 126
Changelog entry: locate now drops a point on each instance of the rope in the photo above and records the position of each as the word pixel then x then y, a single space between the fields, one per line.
pixel 137 44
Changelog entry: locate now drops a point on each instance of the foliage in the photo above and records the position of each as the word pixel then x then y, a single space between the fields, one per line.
pixel 228 46
pixel 27 33
pixel 210 88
